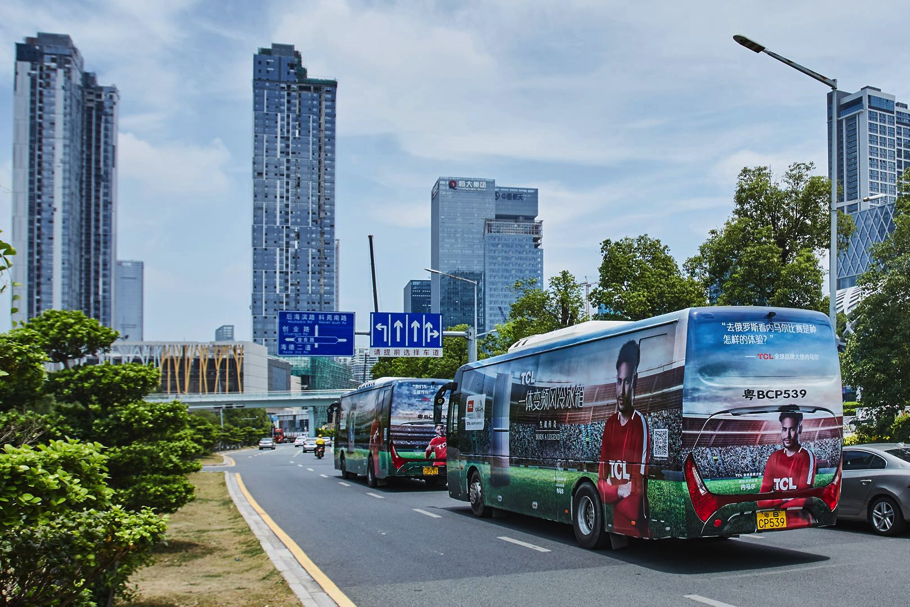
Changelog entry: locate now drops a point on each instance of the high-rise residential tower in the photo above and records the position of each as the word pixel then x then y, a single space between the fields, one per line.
pixel 484 233
pixel 873 136
pixel 130 300
pixel 64 182
pixel 294 249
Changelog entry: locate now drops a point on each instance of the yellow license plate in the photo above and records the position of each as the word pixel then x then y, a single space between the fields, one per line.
pixel 776 519
pixel 430 471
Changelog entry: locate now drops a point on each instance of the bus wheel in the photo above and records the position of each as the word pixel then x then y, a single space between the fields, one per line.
pixel 371 474
pixel 344 469
pixel 588 519
pixel 475 494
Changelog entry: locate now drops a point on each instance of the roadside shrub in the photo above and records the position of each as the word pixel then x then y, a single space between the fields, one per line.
pixel 62 542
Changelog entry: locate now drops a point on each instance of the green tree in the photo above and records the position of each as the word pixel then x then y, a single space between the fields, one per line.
pixel 22 371
pixel 62 540
pixel 454 354
pixel 767 252
pixel 68 335
pixel 538 311
pixel 150 450
pixel 877 356
pixel 6 253
pixel 639 279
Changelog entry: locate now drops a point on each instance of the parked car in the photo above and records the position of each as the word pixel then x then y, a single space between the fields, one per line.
pixel 309 444
pixel 298 442
pixel 267 443
pixel 876 486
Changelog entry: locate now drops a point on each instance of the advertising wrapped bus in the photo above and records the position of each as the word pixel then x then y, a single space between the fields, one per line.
pixel 704 422
pixel 385 429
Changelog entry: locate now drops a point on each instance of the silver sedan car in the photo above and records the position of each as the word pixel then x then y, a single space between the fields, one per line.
pixel 876 486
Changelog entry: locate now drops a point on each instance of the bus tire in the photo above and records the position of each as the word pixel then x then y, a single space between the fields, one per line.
pixel 344 469
pixel 588 517
pixel 371 474
pixel 475 496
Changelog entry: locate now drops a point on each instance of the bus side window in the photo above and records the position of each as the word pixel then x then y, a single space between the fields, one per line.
pixel 453 421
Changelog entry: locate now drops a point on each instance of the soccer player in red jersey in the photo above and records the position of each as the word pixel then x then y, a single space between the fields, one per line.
pixel 624 450
pixel 437 446
pixel 791 468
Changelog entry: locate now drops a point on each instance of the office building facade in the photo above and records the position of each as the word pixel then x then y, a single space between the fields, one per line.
pixel 129 319
pixel 417 297
pixel 293 232
pixel 486 234
pixel 873 150
pixel 224 333
pixel 64 182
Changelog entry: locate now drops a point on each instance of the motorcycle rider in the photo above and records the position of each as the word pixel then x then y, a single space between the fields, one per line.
pixel 320 446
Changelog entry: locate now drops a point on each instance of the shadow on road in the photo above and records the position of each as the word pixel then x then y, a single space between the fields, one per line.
pixel 682 557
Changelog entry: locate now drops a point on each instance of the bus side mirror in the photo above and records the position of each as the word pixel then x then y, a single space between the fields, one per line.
pixel 439 401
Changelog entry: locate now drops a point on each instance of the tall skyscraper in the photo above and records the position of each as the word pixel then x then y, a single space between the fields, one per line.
pixel 224 333
pixel 484 233
pixel 294 248
pixel 417 296
pixel 873 137
pixel 64 182
pixel 130 289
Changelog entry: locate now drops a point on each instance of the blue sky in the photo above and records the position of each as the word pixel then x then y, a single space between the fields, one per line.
pixel 629 117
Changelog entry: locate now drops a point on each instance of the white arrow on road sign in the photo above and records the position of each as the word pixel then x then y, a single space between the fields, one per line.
pixel 398 326
pixel 416 326
pixel 385 331
pixel 429 332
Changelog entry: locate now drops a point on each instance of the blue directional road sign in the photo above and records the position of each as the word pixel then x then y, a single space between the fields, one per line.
pixel 315 333
pixel 405 334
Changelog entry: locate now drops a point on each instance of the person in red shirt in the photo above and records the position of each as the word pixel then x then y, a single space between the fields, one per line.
pixel 437 445
pixel 624 451
pixel 791 468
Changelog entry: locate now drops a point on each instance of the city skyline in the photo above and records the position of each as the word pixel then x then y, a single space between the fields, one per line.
pixel 620 138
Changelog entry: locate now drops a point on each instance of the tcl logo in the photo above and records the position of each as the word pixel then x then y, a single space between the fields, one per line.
pixel 766 356
pixel 618 470
pixel 784 484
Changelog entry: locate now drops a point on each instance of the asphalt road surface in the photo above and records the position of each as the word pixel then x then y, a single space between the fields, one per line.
pixel 408 544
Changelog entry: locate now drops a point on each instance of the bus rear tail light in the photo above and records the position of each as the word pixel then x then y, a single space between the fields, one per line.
pixel 831 493
pixel 397 461
pixel 704 501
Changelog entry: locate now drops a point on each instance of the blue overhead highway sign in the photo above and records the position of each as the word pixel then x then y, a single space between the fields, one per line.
pixel 315 333
pixel 405 334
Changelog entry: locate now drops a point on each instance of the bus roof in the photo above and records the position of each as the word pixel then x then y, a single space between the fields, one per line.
pixel 385 381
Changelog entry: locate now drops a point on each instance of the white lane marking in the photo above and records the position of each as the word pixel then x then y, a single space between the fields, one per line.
pixel 324 475
pixel 379 497
pixel 752 536
pixel 291 462
pixel 343 484
pixel 297 454
pixel 300 465
pixel 701 599
pixel 429 514
pixel 791 571
pixel 525 544
pixel 311 470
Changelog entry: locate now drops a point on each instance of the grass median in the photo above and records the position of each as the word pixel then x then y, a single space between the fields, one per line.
pixel 211 557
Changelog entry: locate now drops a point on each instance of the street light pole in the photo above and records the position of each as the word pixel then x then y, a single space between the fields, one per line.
pixel 755 47
pixel 472 339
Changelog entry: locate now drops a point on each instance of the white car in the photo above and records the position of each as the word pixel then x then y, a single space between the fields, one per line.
pixel 309 443
pixel 299 441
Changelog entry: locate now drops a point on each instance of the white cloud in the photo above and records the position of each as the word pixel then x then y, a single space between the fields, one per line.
pixel 176 167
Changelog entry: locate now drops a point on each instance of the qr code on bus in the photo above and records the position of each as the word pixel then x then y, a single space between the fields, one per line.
pixel 660 445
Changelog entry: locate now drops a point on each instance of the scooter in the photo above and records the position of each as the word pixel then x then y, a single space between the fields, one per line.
pixel 319 452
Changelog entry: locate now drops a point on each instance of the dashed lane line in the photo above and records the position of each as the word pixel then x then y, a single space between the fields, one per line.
pixel 377 496
pixel 311 470
pixel 324 475
pixel 525 544
pixel 429 514
pixel 343 484
pixel 706 601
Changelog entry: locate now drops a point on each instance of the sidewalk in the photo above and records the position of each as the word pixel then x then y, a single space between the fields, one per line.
pixel 288 558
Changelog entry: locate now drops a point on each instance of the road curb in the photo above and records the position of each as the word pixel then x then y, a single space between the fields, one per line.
pixel 286 555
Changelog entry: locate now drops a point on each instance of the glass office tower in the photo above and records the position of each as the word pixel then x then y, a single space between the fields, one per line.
pixel 484 233
pixel 130 300
pixel 873 135
pixel 417 297
pixel 294 248
pixel 64 182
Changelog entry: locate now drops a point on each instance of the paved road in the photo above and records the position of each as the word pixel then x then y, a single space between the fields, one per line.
pixel 411 545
